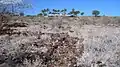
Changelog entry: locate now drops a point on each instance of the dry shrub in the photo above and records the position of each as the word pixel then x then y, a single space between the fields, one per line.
pixel 60 50
pixel 5 24
pixel 4 19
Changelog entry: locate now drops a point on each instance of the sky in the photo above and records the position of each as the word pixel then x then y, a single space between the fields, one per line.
pixel 10 1
pixel 106 7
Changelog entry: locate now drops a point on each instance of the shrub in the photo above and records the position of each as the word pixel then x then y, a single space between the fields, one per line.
pixel 4 19
pixel 82 13
pixel 95 13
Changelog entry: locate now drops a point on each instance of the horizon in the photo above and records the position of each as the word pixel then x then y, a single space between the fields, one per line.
pixel 106 7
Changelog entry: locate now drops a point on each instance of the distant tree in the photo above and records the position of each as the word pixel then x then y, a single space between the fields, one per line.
pixel 71 13
pixel 82 13
pixel 40 14
pixel 43 12
pixel 13 6
pixel 28 15
pixel 56 11
pixel 53 11
pixel 50 12
pixel 21 14
pixel 73 10
pixel 47 11
pixel 76 13
pixel 9 8
pixel 95 13
pixel 64 11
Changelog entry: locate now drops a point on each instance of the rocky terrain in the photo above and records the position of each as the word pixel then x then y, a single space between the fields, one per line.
pixel 60 42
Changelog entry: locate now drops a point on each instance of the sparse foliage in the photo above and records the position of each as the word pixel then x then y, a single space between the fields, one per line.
pixel 56 11
pixel 40 14
pixel 21 14
pixel 64 11
pixel 44 12
pixel 74 13
pixel 82 13
pixel 9 8
pixel 12 6
pixel 95 13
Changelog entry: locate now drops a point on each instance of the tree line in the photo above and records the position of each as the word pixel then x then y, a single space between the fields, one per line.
pixel 12 7
pixel 64 12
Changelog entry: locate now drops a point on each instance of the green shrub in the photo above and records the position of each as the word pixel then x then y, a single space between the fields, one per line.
pixel 95 13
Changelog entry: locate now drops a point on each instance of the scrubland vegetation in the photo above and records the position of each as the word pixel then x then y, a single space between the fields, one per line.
pixel 57 38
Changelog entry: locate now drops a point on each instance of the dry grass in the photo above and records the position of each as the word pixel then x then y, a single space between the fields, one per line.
pixel 60 50
pixel 79 42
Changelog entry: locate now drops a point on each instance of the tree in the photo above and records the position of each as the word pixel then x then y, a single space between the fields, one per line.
pixel 40 14
pixel 53 11
pixel 47 11
pixel 12 6
pixel 71 13
pixel 56 11
pixel 74 13
pixel 21 14
pixel 95 13
pixel 82 13
pixel 28 15
pixel 43 12
pixel 73 10
pixel 50 12
pixel 64 11
pixel 9 8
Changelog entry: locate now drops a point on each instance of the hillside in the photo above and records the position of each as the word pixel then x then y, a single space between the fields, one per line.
pixel 60 42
